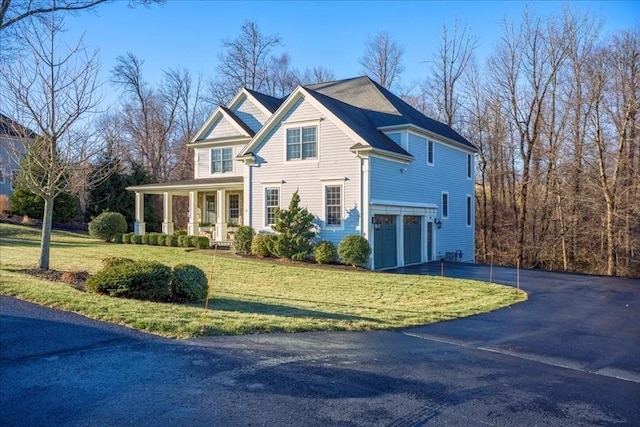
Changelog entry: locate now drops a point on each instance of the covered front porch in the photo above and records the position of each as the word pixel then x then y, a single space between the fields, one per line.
pixel 215 206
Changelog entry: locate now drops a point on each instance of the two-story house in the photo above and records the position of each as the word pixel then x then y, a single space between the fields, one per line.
pixel 362 160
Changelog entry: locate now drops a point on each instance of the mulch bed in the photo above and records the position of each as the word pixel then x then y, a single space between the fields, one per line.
pixel 76 279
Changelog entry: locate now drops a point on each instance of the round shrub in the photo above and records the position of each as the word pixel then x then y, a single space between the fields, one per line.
pixel 180 233
pixel 324 252
pixel 117 238
pixel 260 245
pixel 145 239
pixel 193 241
pixel 354 250
pixel 162 240
pixel 106 225
pixel 183 240
pixel 172 240
pixel 143 280
pixel 136 239
pixel 189 283
pixel 202 242
pixel 126 238
pixel 242 240
pixel 153 239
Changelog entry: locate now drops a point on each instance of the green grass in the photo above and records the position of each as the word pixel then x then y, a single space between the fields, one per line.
pixel 246 295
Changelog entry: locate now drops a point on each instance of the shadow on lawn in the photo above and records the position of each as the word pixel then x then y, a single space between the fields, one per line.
pixel 18 242
pixel 225 304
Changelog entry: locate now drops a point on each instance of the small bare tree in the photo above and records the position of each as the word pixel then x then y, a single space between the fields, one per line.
pixel 382 59
pixel 50 91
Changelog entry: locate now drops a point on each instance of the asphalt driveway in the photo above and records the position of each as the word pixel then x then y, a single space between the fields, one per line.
pixel 568 356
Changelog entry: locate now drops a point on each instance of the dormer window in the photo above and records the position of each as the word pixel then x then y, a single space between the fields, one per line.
pixel 302 143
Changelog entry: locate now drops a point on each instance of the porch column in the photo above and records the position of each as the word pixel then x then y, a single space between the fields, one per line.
pixel 192 226
pixel 139 225
pixel 167 223
pixel 221 217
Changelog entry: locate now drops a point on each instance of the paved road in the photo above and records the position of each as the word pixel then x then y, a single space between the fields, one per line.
pixel 568 356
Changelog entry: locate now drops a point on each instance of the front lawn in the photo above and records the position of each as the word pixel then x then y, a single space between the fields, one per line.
pixel 246 295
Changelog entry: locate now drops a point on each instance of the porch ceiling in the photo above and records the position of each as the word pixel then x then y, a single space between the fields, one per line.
pixel 183 187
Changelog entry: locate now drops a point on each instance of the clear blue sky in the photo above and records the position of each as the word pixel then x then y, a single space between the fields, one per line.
pixel 188 33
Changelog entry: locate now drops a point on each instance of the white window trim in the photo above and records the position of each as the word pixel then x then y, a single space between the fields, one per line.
pixel 468 211
pixel 299 125
pixel 431 144
pixel 442 202
pixel 211 172
pixel 333 183
pixel 264 202
pixel 228 206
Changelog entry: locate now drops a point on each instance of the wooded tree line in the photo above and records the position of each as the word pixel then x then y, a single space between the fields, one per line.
pixel 553 112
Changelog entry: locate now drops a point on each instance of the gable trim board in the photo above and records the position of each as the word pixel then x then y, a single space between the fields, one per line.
pixel 358 149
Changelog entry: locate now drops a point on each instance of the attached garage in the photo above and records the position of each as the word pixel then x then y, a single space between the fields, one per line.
pixel 412 234
pixel 385 248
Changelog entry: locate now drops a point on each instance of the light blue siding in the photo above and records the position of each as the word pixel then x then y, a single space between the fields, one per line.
pixel 420 183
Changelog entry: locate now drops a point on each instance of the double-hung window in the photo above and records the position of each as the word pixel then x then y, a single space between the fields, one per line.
pixel 469 165
pixel 333 205
pixel 272 202
pixel 445 205
pixel 429 152
pixel 221 160
pixel 302 143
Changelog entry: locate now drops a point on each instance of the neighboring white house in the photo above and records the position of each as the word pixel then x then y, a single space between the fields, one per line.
pixel 362 160
pixel 12 137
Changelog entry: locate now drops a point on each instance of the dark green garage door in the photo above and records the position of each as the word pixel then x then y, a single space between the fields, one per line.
pixel 385 248
pixel 412 239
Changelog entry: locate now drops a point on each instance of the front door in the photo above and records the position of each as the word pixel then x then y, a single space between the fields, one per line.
pixel 412 239
pixel 385 247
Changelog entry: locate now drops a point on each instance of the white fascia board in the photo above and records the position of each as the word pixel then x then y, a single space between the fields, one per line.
pixel 217 111
pixel 233 140
pixel 417 130
pixel 388 155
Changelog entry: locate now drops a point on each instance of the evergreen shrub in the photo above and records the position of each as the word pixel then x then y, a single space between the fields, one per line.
pixel 354 250
pixel 106 225
pixel 189 283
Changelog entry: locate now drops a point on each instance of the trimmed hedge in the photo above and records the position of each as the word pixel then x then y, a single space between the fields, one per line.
pixel 117 238
pixel 143 280
pixel 136 239
pixel 189 283
pixel 162 240
pixel 126 238
pixel 172 240
pixel 203 242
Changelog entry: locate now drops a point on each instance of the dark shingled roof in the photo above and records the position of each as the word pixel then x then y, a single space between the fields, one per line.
pixel 242 124
pixel 12 128
pixel 383 108
pixel 269 102
pixel 357 120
